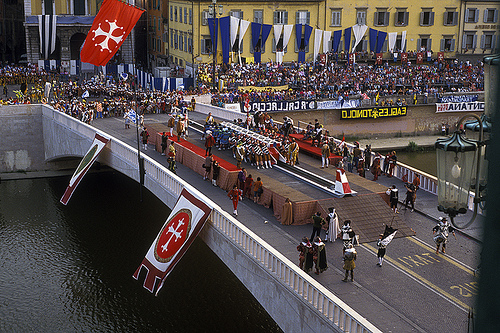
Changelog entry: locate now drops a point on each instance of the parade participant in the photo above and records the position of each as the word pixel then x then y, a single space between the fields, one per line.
pixel 180 129
pixel 319 256
pixel 287 127
pixel 361 167
pixel 318 223
pixel 209 142
pixel 186 124
pixel 145 136
pixel 207 165
pixel 383 241
pixel 410 196
pixel 393 194
pixel 171 125
pixel 247 188
pixel 266 156
pixel 171 157
pixel 293 152
pixel 356 154
pixel 239 154
pixel 164 139
pixel 375 169
pixel 393 160
pixel 242 175
pixel 347 234
pixel 287 213
pixel 368 156
pixel 258 189
pixel 235 196
pixel 305 255
pixel 325 155
pixel 441 232
pixel 333 225
pixel 257 150
pixel 216 172
pixel 349 258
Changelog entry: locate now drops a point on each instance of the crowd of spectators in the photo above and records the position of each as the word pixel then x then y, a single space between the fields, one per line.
pixel 332 80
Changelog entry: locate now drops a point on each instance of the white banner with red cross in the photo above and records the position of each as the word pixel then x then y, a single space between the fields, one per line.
pixel 179 231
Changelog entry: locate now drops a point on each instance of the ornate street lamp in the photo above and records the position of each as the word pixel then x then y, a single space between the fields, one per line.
pixel 458 172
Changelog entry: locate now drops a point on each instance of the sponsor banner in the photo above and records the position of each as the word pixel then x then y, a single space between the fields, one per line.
pixel 338 104
pixel 184 223
pixel 459 107
pixel 233 107
pixel 373 113
pixel 458 99
pixel 276 106
pixel 84 166
pixel 266 88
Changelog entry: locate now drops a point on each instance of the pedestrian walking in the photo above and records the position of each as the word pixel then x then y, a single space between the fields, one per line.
pixel 319 256
pixel 318 223
pixel 235 196
pixel 349 258
pixel 305 255
pixel 441 232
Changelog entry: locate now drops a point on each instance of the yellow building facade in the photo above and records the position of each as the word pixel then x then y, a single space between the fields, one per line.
pixel 426 25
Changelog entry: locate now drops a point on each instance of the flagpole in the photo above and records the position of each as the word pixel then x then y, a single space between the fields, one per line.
pixel 140 159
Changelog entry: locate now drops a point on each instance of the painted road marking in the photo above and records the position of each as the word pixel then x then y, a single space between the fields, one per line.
pixel 449 259
pixel 418 260
pixel 452 299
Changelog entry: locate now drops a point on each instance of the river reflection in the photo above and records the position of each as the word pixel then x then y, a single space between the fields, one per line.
pixel 69 268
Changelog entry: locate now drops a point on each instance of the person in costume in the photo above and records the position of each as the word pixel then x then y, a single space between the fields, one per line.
pixel 235 196
pixel 347 235
pixel 333 225
pixel 393 197
pixel 287 214
pixel 441 232
pixel 349 258
pixel 164 144
pixel 171 157
pixel 383 241
pixel 318 223
pixel 319 256
pixel 305 255
pixel 293 152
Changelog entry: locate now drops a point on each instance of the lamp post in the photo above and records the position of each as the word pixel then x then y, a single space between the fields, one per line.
pixel 459 171
pixel 213 11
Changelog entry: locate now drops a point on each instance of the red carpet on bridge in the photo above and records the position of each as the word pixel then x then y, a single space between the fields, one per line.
pixel 305 146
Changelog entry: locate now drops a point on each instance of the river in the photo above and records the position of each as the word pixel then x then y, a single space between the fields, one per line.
pixel 69 268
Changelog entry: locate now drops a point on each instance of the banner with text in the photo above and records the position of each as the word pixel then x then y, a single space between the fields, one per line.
pixel 460 107
pixel 265 88
pixel 373 113
pixel 276 106
pixel 338 104
pixel 458 99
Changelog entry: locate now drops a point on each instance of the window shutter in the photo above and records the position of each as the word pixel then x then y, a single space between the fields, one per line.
pixel 419 44
pixel 275 18
pixel 445 18
pixel 296 46
pixel 474 43
pixel 273 48
pixel 204 17
pixel 308 18
pixel 297 18
pixel 386 18
pixel 285 19
pixel 467 15
pixel 431 18
pixel 494 43
pixel 485 16
pixel 482 42
pixel 375 19
pixel 384 47
pixel 407 18
pixel 421 18
pixel 364 46
pixel 441 47
pixel 455 18
pixel 452 45
pixel 429 44
pixel 476 15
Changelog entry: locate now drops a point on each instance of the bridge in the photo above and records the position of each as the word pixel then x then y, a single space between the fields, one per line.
pixel 41 138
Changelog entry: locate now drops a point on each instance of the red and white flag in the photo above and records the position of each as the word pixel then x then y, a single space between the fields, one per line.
pixel 341 145
pixel 179 231
pixel 84 166
pixel 109 30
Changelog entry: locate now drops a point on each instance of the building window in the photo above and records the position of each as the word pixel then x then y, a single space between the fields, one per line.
pixel 279 47
pixel 175 14
pixel 280 17
pixel 471 15
pixel 78 9
pixel 190 45
pixel 397 47
pixel 236 13
pixel 450 17
pixel 336 20
pixel 258 16
pixel 171 37
pixel 171 13
pixel 490 15
pixel 159 24
pixel 259 47
pixel 447 44
pixel 302 17
pixel 469 40
pixel 190 16
pixel 204 17
pixel 488 41
pixel 361 16
pixel 426 17
pixel 185 15
pixel 381 18
pixel 206 45
pixel 401 18
pixel 424 43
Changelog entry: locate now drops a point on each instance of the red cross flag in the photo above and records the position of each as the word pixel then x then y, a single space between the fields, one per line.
pixel 179 231
pixel 109 30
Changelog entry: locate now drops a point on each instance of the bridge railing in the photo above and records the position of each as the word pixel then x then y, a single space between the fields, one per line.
pixel 285 271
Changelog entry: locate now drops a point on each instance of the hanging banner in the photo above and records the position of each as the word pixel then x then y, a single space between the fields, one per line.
pixel 458 98
pixel 179 231
pixel 374 113
pixel 276 106
pixel 84 166
pixel 460 107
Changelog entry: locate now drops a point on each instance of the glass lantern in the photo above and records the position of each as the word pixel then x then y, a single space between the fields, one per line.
pixel 456 170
